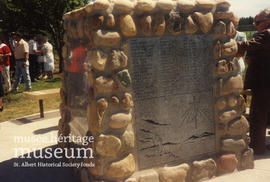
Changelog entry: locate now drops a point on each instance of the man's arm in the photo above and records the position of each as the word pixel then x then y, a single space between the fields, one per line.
pixel 260 42
pixel 26 56
pixel 26 52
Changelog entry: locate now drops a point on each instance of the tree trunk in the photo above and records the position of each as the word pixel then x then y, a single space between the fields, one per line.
pixel 61 59
pixel 57 38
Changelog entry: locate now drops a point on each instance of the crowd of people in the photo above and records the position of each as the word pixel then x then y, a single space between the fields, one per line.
pixel 32 61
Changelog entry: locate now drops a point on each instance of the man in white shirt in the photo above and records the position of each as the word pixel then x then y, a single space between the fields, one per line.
pixel 21 53
pixel 33 59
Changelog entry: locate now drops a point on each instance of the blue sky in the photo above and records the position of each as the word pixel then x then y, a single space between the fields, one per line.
pixel 246 8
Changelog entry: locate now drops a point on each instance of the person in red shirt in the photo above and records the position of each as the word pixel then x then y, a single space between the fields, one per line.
pixel 5 53
pixel 78 56
pixel 76 76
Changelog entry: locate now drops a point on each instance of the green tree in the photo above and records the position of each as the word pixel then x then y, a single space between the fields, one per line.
pixel 38 16
pixel 246 24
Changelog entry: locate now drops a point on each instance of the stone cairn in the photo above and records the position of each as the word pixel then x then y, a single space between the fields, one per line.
pixel 107 25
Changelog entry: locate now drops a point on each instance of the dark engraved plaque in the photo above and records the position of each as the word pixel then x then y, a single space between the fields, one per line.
pixel 172 83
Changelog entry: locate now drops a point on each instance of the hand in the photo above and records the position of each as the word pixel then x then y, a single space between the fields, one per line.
pixel 24 64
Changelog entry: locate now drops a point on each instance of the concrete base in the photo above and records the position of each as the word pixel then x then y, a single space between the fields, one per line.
pixel 260 173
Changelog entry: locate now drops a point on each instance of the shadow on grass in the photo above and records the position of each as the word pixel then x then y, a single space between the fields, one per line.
pixel 9 173
pixel 53 80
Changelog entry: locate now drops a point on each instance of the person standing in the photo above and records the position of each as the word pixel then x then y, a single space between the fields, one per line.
pixel 5 53
pixel 11 44
pixel 239 36
pixel 258 79
pixel 49 58
pixel 40 56
pixel 33 59
pixel 21 53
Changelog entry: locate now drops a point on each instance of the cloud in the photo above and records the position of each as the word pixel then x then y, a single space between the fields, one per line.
pixel 244 8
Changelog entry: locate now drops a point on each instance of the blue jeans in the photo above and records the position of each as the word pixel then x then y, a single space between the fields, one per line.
pixel 22 71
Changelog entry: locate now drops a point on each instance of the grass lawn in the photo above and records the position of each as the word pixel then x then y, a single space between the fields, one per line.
pixel 17 105
pixel 249 34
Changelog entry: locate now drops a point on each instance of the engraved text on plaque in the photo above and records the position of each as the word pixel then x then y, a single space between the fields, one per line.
pixel 173 95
